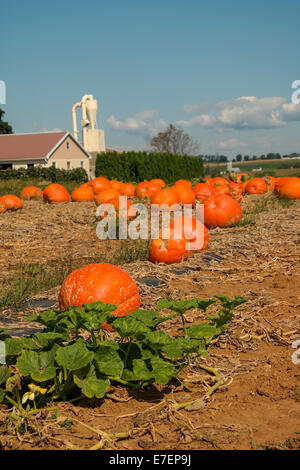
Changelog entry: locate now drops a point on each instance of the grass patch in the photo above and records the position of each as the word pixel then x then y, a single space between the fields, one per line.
pixel 28 280
pixel 254 206
pixel 130 251
pixel 15 186
pixel 31 279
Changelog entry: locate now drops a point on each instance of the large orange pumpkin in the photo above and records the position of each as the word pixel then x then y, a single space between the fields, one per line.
pixel 148 189
pixel 10 202
pixel 116 185
pixel 127 189
pixel 280 181
pixel 189 228
pixel 168 197
pixel 106 195
pixel 185 183
pixel 168 251
pixel 54 193
pixel 203 191
pixel 158 181
pixel 120 209
pixel 141 190
pixel 31 192
pixel 100 282
pixel 219 180
pixel 99 184
pixel 256 186
pixel 83 193
pixel 290 189
pixel 221 211
pixel 221 188
pixel 185 193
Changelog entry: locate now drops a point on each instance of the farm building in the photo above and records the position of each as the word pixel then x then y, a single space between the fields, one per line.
pixel 58 149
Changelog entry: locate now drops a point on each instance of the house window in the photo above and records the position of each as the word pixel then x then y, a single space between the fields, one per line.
pixel 30 165
pixel 54 164
pixel 6 166
pixel 68 145
pixel 68 165
pixel 82 164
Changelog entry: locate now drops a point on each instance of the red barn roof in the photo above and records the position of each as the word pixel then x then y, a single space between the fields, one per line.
pixel 39 145
pixel 29 146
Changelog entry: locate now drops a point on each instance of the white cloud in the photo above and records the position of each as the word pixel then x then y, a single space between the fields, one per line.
pixel 144 123
pixel 204 120
pixel 291 112
pixel 231 144
pixel 243 113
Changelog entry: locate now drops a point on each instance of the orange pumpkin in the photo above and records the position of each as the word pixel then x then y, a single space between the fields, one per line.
pixel 280 181
pixel 221 188
pixel 221 211
pixel 86 185
pixel 186 183
pixel 185 193
pixel 256 186
pixel 106 195
pixel 168 251
pixel 290 189
pixel 99 184
pixel 159 182
pixel 10 202
pixel 54 193
pixel 100 282
pixel 128 190
pixel 168 197
pixel 31 192
pixel 83 193
pixel 219 180
pixel 116 185
pixel 116 203
pixel 203 191
pixel 152 189
pixel 141 190
pixel 190 228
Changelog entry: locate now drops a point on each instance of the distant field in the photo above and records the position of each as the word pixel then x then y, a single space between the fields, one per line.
pixel 286 167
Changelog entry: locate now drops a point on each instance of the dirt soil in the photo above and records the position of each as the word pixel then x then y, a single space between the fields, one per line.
pixel 256 404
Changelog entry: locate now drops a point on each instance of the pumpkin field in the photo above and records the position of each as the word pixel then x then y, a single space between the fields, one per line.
pixel 146 344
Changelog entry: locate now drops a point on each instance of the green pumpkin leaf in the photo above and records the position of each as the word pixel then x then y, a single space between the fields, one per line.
pixel 14 346
pixel 182 306
pixel 129 327
pixel 44 340
pixel 180 346
pixel 128 375
pixel 157 339
pixel 4 374
pixel 99 307
pixel 47 318
pixel 202 331
pixel 141 371
pixel 40 366
pixel 108 361
pixel 74 357
pixel 93 385
pixel 163 371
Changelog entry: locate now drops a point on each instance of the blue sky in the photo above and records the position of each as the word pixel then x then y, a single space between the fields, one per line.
pixel 151 63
